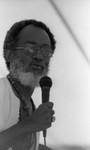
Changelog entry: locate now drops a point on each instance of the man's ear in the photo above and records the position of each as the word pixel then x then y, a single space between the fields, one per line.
pixel 8 55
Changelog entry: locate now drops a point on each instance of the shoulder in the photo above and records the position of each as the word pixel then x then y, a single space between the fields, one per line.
pixel 3 83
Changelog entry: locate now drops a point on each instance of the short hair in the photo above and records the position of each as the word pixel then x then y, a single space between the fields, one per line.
pixel 12 34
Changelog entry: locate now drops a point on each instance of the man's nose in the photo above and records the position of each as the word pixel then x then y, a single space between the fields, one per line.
pixel 38 56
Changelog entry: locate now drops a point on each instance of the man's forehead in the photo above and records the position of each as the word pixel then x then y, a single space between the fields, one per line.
pixel 35 34
pixel 31 28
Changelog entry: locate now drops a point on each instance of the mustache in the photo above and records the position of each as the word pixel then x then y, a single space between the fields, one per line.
pixel 28 67
pixel 38 64
pixel 33 62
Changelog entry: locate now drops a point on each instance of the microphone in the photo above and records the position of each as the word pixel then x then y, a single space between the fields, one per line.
pixel 45 84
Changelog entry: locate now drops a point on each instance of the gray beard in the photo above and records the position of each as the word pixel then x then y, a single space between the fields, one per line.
pixel 18 72
pixel 27 79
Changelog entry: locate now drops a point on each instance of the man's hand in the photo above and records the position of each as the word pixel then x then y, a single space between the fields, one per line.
pixel 40 119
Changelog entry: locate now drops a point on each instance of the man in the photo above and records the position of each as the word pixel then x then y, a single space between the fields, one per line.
pixel 28 47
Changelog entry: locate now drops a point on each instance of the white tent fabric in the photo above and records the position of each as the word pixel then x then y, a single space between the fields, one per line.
pixel 70 65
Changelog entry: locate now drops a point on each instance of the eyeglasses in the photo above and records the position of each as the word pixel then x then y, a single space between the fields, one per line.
pixel 32 49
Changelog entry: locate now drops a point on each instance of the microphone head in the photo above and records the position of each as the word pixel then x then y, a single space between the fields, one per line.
pixel 45 82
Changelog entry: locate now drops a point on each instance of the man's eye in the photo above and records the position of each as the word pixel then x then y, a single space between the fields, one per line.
pixel 29 49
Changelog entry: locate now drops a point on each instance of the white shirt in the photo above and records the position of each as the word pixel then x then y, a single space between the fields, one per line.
pixel 9 111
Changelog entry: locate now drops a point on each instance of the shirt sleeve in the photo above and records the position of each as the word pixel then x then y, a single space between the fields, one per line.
pixel 1 105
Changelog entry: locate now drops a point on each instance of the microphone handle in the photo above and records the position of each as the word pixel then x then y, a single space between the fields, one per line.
pixel 45 98
pixel 45 94
pixel 44 133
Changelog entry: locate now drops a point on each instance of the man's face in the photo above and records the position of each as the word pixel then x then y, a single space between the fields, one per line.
pixel 28 66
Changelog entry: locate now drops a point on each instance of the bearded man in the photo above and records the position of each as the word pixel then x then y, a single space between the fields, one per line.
pixel 28 47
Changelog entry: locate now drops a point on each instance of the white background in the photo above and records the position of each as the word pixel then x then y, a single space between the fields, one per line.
pixel 69 69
